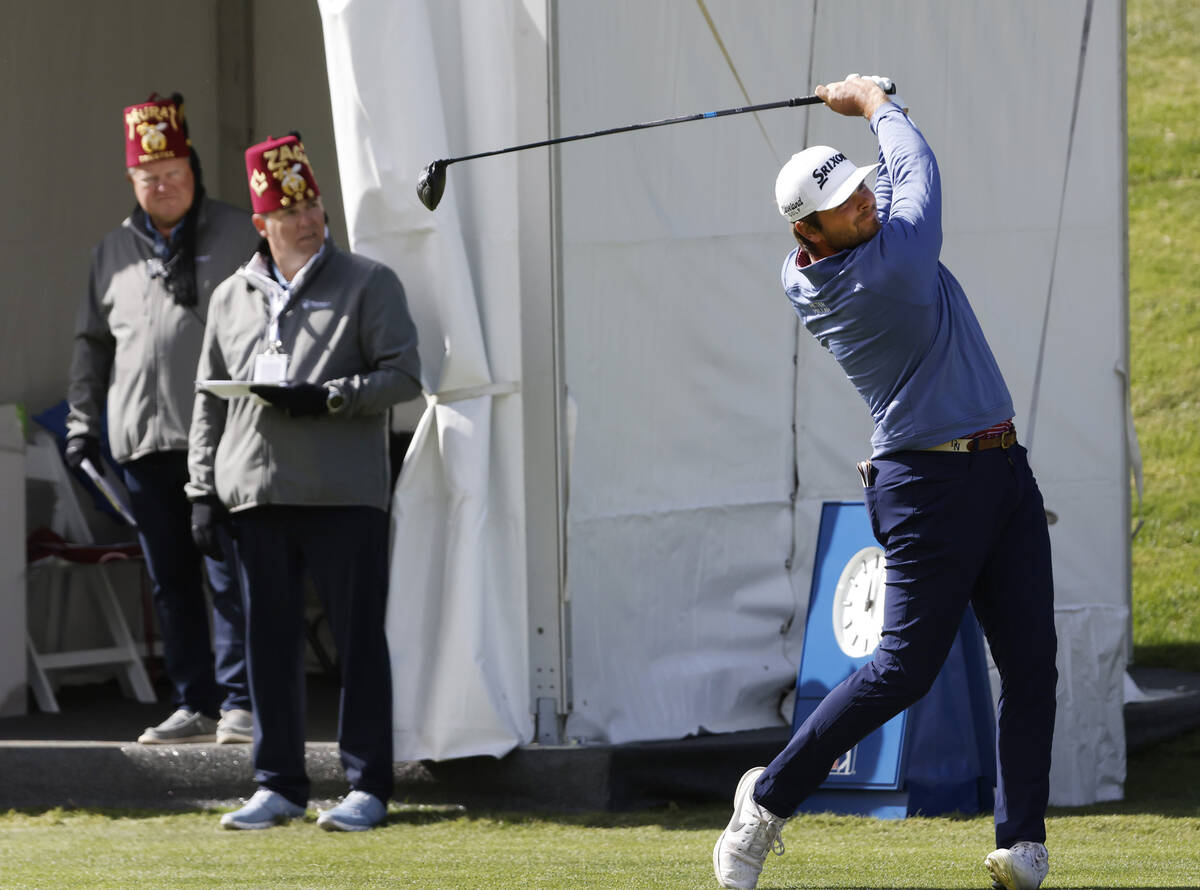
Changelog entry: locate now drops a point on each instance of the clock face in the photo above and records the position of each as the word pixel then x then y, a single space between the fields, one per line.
pixel 858 603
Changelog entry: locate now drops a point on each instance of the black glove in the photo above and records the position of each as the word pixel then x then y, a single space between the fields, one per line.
pixel 207 513
pixel 79 447
pixel 297 399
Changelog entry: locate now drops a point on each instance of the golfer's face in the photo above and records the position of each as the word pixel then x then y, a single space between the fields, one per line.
pixel 852 222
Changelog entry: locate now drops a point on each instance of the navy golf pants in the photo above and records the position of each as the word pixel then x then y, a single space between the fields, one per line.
pixel 956 528
pixel 207 675
pixel 343 550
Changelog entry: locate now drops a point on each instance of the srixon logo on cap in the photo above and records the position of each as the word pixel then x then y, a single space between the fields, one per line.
pixel 821 174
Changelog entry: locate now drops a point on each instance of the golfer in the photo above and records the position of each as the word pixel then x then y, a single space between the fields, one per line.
pixel 948 489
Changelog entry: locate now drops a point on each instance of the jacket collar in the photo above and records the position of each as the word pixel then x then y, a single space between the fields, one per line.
pixel 258 271
pixel 136 222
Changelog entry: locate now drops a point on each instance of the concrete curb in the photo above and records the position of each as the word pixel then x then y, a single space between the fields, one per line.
pixel 562 779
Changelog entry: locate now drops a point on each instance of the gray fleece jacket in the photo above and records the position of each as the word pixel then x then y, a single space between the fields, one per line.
pixel 135 349
pixel 345 323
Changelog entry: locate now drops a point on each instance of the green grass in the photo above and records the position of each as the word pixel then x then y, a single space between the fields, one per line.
pixel 1151 839
pixel 1164 325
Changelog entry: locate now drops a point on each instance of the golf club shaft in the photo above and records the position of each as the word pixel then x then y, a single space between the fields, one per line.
pixel 745 109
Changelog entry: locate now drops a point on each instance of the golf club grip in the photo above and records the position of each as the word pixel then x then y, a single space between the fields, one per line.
pixel 558 140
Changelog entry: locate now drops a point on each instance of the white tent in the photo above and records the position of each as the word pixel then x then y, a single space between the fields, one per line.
pixel 606 524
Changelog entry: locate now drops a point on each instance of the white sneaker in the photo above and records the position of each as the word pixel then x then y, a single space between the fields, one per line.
pixel 1022 866
pixel 235 726
pixel 358 812
pixel 181 726
pixel 742 848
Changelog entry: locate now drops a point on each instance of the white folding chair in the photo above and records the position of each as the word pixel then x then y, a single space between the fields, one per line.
pixel 74 553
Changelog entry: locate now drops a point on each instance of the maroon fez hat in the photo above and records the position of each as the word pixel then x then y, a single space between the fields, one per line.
pixel 279 174
pixel 155 131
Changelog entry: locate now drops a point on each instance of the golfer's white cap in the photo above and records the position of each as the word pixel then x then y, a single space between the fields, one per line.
pixel 817 178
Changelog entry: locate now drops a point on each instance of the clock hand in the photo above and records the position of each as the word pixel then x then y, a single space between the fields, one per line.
pixel 871 585
pixel 878 579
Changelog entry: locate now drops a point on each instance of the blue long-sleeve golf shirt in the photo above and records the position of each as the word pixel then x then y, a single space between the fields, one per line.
pixel 894 317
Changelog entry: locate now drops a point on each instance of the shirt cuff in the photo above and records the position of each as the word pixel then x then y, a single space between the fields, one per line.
pixel 881 111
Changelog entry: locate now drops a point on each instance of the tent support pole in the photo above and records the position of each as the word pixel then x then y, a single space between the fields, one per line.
pixel 544 387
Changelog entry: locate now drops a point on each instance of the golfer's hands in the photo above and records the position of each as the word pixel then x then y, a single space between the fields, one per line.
pixel 888 86
pixel 853 96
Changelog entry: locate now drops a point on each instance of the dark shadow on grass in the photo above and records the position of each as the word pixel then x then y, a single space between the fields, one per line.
pixel 405 815
pixel 1178 656
pixel 688 817
pixel 669 818
pixel 423 815
pixel 109 812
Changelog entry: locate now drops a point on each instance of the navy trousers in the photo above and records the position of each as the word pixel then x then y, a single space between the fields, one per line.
pixel 956 528
pixel 207 675
pixel 343 550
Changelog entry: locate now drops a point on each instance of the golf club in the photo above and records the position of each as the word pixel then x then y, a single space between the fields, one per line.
pixel 431 182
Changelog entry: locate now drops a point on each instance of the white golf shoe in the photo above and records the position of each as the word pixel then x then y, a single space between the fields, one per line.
pixel 1022 866
pixel 742 848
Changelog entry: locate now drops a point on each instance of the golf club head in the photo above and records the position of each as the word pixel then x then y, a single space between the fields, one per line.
pixel 431 183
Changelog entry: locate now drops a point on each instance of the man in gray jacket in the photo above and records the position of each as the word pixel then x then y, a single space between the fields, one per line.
pixel 323 341
pixel 137 341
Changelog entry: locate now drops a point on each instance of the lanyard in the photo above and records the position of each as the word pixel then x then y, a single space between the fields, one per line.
pixel 277 300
